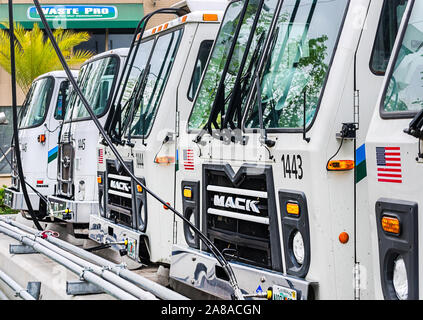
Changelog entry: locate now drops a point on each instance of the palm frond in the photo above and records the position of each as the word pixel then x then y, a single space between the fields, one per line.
pixel 34 53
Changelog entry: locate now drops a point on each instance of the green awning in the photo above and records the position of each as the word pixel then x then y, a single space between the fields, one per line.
pixel 81 16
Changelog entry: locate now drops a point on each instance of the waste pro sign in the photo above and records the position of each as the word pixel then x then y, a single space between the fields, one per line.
pixel 74 12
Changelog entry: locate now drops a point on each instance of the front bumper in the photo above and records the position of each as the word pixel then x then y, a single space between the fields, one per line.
pixel 201 271
pixel 104 231
pixel 16 201
pixel 80 211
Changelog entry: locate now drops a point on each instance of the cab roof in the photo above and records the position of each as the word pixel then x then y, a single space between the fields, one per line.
pixel 200 16
pixel 122 52
pixel 57 74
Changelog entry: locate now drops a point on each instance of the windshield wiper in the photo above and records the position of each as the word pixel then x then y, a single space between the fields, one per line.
pixel 137 102
pixel 258 60
pixel 218 103
pixel 237 92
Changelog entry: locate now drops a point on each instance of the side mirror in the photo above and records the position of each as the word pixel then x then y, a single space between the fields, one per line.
pixel 3 119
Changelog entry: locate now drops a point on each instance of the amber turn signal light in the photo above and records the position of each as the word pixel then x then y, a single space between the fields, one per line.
pixel 293 208
pixel 340 165
pixel 391 225
pixel 164 160
pixel 41 138
pixel 187 193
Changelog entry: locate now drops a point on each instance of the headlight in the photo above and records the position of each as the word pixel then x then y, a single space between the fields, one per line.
pixel 298 247
pixel 400 279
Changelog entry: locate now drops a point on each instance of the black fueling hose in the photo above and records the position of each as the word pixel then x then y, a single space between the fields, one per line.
pixel 215 251
pixel 15 119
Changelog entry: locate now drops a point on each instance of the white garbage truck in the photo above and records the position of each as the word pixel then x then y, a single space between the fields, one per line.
pixel 75 193
pixel 394 159
pixel 165 68
pixel 41 117
pixel 271 159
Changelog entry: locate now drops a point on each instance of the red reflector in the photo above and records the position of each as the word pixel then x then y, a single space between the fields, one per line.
pixel 40 181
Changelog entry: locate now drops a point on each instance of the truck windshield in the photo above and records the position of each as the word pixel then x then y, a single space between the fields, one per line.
pixel 37 103
pixel 140 118
pixel 404 92
pixel 306 38
pixel 214 72
pixel 136 72
pixel 96 80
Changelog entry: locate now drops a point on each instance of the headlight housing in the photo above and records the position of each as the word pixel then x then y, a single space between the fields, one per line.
pixel 399 280
pixel 298 247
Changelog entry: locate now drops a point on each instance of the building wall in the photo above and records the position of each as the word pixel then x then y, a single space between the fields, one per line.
pixel 149 6
pixel 5 79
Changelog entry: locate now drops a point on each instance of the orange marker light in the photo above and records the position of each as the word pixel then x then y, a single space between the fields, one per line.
pixel 166 207
pixel 391 225
pixel 165 26
pixel 210 17
pixel 164 160
pixel 293 208
pixel 139 188
pixel 160 29
pixel 154 31
pixel 41 138
pixel 340 165
pixel 184 18
pixel 99 180
pixel 344 237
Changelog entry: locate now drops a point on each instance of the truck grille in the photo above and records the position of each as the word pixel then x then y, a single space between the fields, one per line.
pixel 240 216
pixel 65 170
pixel 119 197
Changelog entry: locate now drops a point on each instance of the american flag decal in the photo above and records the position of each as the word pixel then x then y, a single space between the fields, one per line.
pixel 100 156
pixel 188 159
pixel 389 167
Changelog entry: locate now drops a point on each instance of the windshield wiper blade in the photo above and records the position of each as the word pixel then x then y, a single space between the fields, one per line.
pixel 137 102
pixel 236 92
pixel 117 138
pixel 220 92
pixel 259 59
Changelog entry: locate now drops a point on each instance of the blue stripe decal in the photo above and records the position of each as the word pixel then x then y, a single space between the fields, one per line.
pixel 361 154
pixel 53 151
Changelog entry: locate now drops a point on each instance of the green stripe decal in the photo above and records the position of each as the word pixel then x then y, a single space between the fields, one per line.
pixel 361 171
pixel 52 154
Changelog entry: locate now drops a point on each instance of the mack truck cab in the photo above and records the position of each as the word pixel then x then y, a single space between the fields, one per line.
pixel 75 192
pixel 394 161
pixel 40 121
pixel 271 156
pixel 164 70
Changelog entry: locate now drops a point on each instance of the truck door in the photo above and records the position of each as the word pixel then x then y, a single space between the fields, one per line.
pixel 395 168
pixel 188 86
pixel 371 61
pixel 58 114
